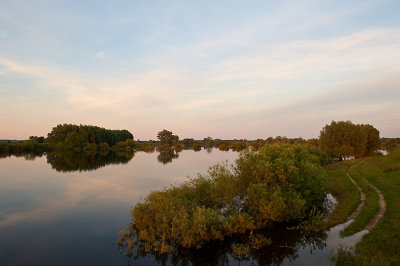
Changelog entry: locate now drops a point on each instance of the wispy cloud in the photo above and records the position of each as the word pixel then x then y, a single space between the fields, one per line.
pixel 188 65
pixel 361 51
pixel 288 76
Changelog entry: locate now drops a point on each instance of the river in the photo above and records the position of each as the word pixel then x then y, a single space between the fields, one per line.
pixel 66 209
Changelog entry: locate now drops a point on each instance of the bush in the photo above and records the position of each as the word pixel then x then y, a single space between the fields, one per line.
pixel 196 147
pixel 223 147
pixel 279 183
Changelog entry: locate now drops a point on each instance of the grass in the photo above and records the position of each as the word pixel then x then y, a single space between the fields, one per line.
pixel 371 205
pixel 382 245
pixel 343 190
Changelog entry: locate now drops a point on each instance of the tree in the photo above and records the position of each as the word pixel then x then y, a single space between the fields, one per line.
pixel 344 139
pixel 188 142
pixel 167 138
pixel 208 142
pixel 389 144
pixel 87 134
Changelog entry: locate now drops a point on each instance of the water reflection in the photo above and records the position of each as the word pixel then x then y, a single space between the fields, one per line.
pixel 284 248
pixel 29 156
pixel 66 161
pixel 71 217
pixel 166 156
pixel 77 161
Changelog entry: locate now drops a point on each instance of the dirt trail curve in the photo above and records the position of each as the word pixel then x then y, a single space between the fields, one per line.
pixel 362 196
pixel 382 203
pixel 381 211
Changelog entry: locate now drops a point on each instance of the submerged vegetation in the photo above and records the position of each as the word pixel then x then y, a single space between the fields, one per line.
pixel 279 183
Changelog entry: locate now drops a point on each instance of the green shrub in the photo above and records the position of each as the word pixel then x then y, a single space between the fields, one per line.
pixel 279 183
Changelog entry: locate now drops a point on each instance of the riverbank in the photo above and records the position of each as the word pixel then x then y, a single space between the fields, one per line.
pixel 381 246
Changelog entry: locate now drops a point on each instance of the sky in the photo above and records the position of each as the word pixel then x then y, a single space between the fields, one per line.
pixel 224 69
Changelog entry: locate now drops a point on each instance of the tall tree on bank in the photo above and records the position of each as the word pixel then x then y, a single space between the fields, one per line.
pixel 167 138
pixel 344 139
pixel 373 139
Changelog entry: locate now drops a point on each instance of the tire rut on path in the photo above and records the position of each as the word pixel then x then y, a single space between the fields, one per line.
pixel 381 211
pixel 362 196
pixel 382 204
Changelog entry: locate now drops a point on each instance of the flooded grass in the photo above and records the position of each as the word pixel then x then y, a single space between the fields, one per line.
pixel 381 246
pixel 343 190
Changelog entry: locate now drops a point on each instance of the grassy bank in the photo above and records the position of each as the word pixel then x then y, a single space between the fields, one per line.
pixel 382 245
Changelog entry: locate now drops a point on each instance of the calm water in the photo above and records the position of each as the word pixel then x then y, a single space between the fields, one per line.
pixel 66 209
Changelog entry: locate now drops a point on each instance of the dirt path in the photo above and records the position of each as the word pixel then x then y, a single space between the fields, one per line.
pixel 381 211
pixel 382 204
pixel 362 196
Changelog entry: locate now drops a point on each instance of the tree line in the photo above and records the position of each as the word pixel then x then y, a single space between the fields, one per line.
pixel 74 135
pixel 338 140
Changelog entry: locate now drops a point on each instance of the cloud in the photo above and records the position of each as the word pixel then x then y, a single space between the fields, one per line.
pixel 361 51
pixel 257 88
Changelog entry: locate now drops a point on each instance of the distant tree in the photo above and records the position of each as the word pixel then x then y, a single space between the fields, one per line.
pixel 223 147
pixel 37 139
pixel 167 138
pixel 196 147
pixel 257 144
pixel 208 142
pixel 188 142
pixel 313 142
pixel 299 140
pixel 87 134
pixel 269 140
pixel 283 140
pixel 179 147
pixel 239 145
pixel 389 144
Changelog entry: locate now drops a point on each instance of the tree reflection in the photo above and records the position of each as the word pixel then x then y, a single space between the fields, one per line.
pixel 29 156
pixel 285 245
pixel 167 155
pixel 78 161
